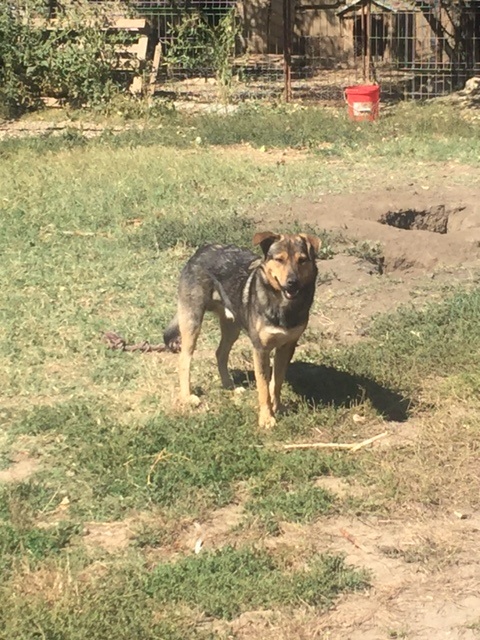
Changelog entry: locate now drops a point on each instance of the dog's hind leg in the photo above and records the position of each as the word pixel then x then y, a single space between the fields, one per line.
pixel 230 332
pixel 189 322
pixel 283 355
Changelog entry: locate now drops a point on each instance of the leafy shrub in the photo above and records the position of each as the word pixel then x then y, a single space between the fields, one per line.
pixel 73 61
pixel 199 46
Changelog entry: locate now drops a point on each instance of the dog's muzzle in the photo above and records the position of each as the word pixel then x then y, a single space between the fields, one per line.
pixel 291 289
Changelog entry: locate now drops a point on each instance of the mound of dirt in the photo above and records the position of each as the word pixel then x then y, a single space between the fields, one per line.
pixel 394 246
pixel 419 229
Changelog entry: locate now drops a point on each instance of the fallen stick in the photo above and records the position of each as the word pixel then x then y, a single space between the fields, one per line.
pixel 349 446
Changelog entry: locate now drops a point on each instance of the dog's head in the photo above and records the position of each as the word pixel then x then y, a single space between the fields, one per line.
pixel 289 260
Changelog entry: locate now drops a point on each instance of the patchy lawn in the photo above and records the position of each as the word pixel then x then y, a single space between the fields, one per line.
pixel 122 516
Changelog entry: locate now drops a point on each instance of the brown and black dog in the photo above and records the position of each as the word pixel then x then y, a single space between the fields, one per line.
pixel 269 298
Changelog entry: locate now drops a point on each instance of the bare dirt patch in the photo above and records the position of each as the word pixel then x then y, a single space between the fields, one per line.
pixel 215 531
pixel 394 246
pixel 427 589
pixel 33 128
pixel 400 220
pixel 110 536
pixel 22 468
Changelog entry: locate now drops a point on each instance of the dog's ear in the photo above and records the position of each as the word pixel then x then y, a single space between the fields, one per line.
pixel 313 244
pixel 265 239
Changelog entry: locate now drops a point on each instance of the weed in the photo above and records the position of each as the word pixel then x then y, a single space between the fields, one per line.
pixel 153 535
pixel 229 581
pixel 230 228
pixel 411 344
pixel 33 544
pixel 371 252
pixel 397 633
pixel 189 464
pixel 426 552
pixel 266 127
pixel 80 603
pixel 202 47
pixel 74 61
pixel 196 230
pixel 21 502
pixel 304 504
pixel 474 626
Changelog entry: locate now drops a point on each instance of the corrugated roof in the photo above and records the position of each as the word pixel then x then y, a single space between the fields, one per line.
pixel 388 5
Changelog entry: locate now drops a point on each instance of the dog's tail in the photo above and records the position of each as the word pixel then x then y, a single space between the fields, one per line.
pixel 171 337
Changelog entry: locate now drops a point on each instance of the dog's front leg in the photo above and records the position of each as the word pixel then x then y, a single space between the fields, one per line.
pixel 283 355
pixel 261 363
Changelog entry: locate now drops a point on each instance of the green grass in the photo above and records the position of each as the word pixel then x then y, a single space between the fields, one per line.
pixel 227 582
pixel 416 131
pixel 32 544
pixel 406 347
pixel 304 504
pixel 189 464
pixel 129 600
pixel 71 600
pixel 94 235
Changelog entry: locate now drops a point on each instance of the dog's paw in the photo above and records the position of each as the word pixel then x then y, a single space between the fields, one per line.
pixel 191 401
pixel 266 420
pixel 239 391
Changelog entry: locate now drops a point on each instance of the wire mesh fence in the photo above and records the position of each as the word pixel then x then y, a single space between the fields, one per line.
pixel 313 49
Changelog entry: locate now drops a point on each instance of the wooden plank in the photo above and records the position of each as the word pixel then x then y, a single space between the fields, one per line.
pixel 138 49
pixel 136 86
pixel 157 56
pixel 119 24
pixel 140 55
pixel 129 24
pixel 142 46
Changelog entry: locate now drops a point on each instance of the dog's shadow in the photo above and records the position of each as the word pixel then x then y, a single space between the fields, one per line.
pixel 325 385
pixel 321 385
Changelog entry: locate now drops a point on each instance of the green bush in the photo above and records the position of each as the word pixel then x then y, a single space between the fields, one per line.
pixel 199 46
pixel 74 61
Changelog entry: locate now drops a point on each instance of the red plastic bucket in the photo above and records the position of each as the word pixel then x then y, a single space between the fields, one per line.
pixel 363 101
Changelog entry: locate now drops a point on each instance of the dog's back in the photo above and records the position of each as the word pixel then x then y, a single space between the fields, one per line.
pixel 214 274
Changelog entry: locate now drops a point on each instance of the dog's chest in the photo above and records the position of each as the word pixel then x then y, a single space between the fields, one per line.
pixel 271 336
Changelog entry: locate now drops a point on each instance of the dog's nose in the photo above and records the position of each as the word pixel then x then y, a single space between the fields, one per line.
pixel 292 282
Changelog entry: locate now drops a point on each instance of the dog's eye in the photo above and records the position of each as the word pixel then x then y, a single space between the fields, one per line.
pixel 279 259
pixel 302 259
